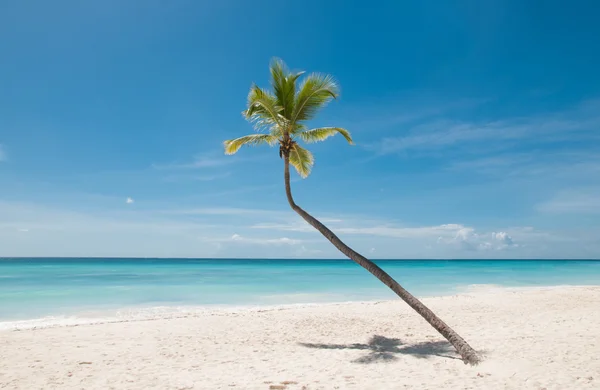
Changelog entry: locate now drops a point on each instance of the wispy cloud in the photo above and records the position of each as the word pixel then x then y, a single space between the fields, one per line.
pixel 290 222
pixel 289 227
pixel 360 226
pixel 492 164
pixel 408 111
pixel 295 225
pixel 583 201
pixel 234 211
pixel 533 163
pixel 458 234
pixel 187 178
pixel 37 230
pixel 243 190
pixel 129 200
pixel 580 123
pixel 236 238
pixel 403 232
pixel 15 215
pixel 205 160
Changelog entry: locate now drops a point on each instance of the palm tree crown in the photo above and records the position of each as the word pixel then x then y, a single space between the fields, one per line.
pixel 282 115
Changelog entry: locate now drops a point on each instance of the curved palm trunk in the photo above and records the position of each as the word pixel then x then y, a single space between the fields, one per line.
pixel 464 349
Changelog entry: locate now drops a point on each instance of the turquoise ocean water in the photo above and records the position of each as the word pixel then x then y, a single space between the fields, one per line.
pixel 53 289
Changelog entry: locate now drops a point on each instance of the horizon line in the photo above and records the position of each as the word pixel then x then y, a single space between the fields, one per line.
pixel 285 259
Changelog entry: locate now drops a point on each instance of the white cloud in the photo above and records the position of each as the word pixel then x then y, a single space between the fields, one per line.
pixel 129 201
pixel 499 241
pixel 503 238
pixel 468 239
pixel 23 230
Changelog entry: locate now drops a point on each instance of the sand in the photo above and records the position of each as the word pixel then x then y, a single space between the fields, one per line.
pixel 546 338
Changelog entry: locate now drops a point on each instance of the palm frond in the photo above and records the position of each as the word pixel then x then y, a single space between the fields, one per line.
pixel 233 145
pixel 302 160
pixel 315 92
pixel 297 128
pixel 284 86
pixel 322 133
pixel 263 109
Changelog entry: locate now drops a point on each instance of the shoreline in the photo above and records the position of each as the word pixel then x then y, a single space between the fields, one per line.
pixel 167 312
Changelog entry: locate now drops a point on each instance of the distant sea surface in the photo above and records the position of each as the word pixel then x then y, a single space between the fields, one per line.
pixel 66 290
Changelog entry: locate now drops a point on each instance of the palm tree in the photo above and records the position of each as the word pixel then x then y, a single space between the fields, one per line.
pixel 283 114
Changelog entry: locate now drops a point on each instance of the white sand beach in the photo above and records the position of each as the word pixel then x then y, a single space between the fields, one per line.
pixel 546 338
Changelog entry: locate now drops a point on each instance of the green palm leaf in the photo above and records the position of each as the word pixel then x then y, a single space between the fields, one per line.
pixel 298 127
pixel 302 160
pixel 232 146
pixel 321 134
pixel 284 86
pixel 263 109
pixel 315 92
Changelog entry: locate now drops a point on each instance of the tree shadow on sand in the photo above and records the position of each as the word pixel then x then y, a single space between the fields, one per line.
pixel 383 349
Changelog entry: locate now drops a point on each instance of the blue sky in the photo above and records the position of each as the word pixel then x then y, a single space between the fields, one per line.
pixel 477 127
